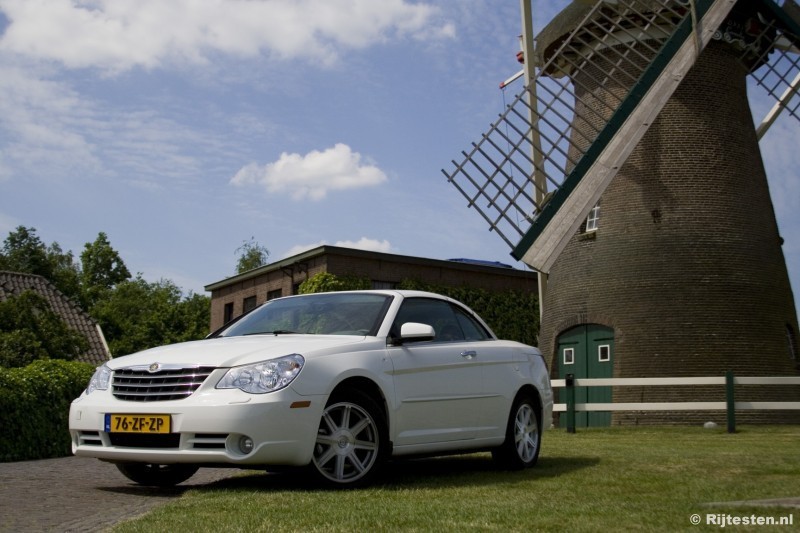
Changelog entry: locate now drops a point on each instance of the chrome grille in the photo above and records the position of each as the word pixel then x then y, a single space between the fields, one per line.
pixel 138 384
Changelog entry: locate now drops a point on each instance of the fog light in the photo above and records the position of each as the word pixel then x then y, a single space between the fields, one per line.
pixel 246 444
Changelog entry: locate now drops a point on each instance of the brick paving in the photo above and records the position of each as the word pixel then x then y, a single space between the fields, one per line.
pixel 79 494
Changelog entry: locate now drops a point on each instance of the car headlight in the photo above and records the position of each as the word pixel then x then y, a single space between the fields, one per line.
pixel 100 380
pixel 267 376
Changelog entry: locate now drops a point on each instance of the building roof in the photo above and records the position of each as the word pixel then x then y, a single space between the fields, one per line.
pixel 465 264
pixel 15 283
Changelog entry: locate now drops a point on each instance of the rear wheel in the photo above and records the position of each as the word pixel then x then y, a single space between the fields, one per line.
pixel 523 436
pixel 351 441
pixel 157 475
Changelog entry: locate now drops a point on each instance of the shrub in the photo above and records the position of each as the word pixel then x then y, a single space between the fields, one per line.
pixel 31 330
pixel 34 408
pixel 327 282
pixel 512 314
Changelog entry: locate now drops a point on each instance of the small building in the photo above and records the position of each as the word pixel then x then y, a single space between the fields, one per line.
pixel 13 284
pixel 238 294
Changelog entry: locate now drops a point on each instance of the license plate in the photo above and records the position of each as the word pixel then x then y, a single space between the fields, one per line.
pixel 137 423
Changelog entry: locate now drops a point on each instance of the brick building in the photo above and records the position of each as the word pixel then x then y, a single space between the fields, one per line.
pixel 235 295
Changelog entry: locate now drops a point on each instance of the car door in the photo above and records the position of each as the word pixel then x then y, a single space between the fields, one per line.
pixel 438 383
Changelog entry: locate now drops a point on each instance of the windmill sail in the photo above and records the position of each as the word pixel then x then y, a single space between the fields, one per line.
pixel 604 72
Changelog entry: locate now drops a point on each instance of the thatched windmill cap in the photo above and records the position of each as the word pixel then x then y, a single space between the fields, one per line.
pixel 559 29
pixel 553 35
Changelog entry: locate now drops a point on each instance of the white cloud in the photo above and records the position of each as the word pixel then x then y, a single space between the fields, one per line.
pixel 312 175
pixel 117 35
pixel 43 120
pixel 364 243
pixel 48 130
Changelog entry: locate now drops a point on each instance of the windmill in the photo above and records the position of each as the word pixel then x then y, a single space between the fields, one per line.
pixel 643 196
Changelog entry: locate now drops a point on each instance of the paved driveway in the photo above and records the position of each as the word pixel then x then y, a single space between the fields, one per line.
pixel 79 494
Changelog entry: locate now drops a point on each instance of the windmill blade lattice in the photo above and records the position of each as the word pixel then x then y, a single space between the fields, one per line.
pixel 595 92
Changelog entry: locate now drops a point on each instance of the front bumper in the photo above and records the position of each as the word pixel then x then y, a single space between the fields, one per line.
pixel 207 428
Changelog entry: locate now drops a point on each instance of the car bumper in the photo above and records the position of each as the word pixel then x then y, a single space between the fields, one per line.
pixel 206 428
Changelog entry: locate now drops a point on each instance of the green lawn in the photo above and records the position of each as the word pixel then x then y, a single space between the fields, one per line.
pixel 600 479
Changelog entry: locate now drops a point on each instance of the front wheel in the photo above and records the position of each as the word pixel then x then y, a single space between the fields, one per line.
pixel 523 437
pixel 157 475
pixel 351 441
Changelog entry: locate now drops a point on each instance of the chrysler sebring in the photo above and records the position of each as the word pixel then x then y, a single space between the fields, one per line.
pixel 337 383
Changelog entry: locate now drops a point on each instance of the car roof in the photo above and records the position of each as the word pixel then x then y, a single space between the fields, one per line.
pixel 405 293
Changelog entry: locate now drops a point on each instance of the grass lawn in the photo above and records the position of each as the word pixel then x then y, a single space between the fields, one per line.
pixel 594 480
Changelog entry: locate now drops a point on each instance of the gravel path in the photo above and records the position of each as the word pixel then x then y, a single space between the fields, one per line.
pixel 79 494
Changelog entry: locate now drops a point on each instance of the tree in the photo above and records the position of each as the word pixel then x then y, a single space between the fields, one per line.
pixel 102 269
pixel 252 255
pixel 327 282
pixel 23 251
pixel 137 315
pixel 133 313
pixel 30 330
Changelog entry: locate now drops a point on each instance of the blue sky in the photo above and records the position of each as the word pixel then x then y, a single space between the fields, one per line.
pixel 182 128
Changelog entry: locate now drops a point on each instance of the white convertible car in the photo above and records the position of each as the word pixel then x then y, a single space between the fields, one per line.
pixel 334 382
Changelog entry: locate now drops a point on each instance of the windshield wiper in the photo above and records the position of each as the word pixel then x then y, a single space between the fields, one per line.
pixel 274 332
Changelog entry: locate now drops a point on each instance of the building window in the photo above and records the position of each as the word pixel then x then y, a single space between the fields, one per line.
pixel 593 220
pixel 381 285
pixel 277 293
pixel 227 313
pixel 604 353
pixel 569 356
pixel 248 304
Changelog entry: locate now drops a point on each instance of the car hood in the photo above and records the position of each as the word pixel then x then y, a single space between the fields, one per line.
pixel 232 351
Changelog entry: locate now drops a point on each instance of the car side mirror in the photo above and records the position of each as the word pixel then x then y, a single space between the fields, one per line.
pixel 416 332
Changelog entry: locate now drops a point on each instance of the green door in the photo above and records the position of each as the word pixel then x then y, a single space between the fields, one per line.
pixel 587 351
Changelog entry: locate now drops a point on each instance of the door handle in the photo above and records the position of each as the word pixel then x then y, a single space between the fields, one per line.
pixel 469 354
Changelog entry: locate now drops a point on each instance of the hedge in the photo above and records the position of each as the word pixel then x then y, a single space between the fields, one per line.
pixel 34 408
pixel 512 314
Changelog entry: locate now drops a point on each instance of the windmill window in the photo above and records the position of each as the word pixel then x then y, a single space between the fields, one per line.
pixel 593 220
pixel 569 356
pixel 792 342
pixel 604 353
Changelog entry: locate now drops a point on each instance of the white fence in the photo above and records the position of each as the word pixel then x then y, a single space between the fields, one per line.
pixel 728 404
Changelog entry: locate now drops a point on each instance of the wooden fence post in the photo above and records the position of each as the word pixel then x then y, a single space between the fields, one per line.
pixel 730 401
pixel 570 382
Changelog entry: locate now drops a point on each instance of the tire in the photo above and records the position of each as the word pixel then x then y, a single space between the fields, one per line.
pixel 352 441
pixel 157 475
pixel 523 436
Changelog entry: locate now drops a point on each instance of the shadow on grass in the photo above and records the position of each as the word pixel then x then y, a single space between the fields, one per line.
pixel 436 472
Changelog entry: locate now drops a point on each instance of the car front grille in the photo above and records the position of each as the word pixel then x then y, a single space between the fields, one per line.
pixel 139 384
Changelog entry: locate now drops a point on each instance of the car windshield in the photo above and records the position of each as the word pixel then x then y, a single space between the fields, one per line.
pixel 316 314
